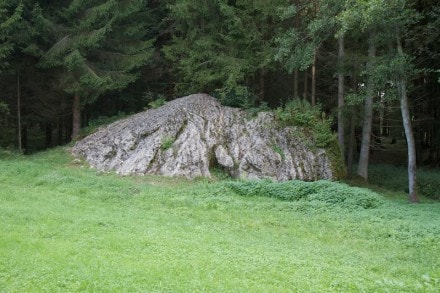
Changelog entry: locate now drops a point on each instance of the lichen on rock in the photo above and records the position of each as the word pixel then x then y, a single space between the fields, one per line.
pixel 190 135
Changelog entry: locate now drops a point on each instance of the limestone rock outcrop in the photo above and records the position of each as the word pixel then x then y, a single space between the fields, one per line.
pixel 192 135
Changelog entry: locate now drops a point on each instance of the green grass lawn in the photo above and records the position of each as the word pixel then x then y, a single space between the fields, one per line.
pixel 65 227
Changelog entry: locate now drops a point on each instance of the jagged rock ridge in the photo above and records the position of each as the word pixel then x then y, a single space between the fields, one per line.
pixel 191 135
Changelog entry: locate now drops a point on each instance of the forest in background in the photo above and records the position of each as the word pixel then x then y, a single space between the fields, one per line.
pixel 67 64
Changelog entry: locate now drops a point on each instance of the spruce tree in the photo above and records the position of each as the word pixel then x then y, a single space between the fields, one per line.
pixel 10 16
pixel 100 47
pixel 22 32
pixel 222 46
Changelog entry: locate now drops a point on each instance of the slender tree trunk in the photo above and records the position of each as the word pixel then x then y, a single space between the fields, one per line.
pixel 295 84
pixel 305 84
pixel 60 131
pixel 341 126
pixel 436 128
pixel 296 93
pixel 76 116
pixel 353 118
pixel 313 97
pixel 61 123
pixel 411 145
pixel 364 155
pixel 262 85
pixel 351 142
pixel 382 116
pixel 20 146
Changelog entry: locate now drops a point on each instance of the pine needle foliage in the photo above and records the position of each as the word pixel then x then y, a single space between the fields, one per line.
pixel 101 45
pixel 218 45
pixel 10 16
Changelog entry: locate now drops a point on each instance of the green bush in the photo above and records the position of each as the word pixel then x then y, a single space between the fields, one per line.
pixel 154 100
pixel 254 110
pixel 159 102
pixel 301 113
pixel 324 192
pixel 239 97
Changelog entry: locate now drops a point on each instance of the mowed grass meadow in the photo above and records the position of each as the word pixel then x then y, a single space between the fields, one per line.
pixel 65 227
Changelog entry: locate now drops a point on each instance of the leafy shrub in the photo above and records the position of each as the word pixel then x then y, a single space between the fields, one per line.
pixel 154 100
pixel 159 102
pixel 323 134
pixel 253 111
pixel 301 113
pixel 240 97
pixel 324 192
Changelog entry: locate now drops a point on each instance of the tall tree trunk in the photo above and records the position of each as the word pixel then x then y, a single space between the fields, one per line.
pixel 353 120
pixel 341 126
pixel 305 84
pixel 411 145
pixel 435 129
pixel 76 116
pixel 296 71
pixel 61 123
pixel 351 142
pixel 295 84
pixel 313 97
pixel 20 147
pixel 364 155
pixel 60 126
pixel 382 116
pixel 262 85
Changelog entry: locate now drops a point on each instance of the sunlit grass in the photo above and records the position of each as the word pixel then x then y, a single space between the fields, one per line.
pixel 65 227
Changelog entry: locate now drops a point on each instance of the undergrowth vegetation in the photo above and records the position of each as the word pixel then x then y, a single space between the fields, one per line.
pixel 67 228
pixel 396 178
pixel 318 192
pixel 301 113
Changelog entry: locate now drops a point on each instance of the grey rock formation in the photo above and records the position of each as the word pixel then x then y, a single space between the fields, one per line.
pixel 191 135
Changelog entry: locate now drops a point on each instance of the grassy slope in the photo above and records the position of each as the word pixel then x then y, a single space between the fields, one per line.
pixel 64 227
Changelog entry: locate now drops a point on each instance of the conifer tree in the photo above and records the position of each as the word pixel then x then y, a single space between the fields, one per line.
pixel 10 16
pixel 100 46
pixel 22 34
pixel 219 45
